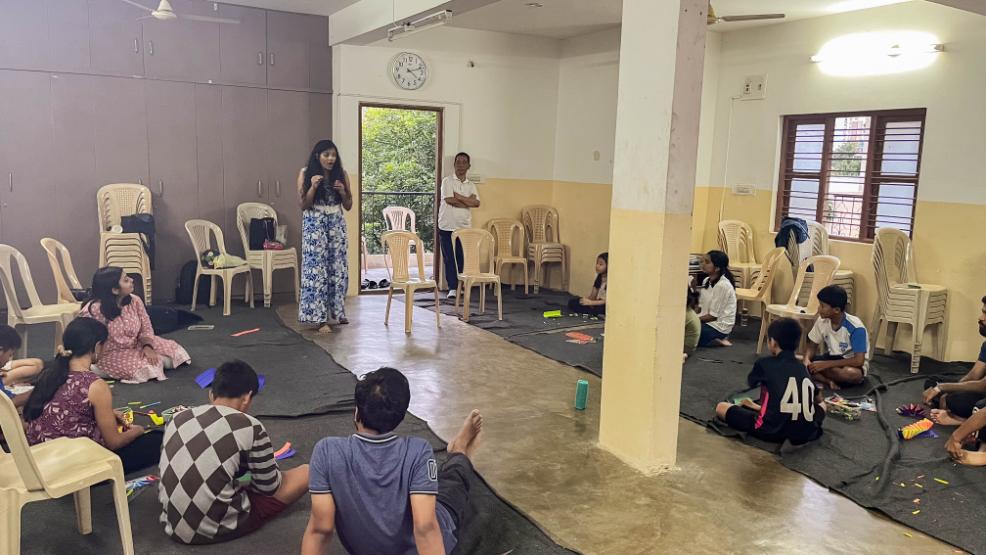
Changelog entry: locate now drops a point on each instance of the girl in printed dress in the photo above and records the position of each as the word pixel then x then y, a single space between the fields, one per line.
pixel 132 354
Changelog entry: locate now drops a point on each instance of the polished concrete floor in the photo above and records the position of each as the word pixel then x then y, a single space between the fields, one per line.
pixel 541 454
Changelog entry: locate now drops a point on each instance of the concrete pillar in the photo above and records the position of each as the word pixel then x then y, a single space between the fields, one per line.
pixel 660 89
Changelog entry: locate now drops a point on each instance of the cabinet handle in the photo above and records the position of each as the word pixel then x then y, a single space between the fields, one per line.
pixel 260 58
pixel 260 188
pixel 10 178
pixel 277 184
pixel 271 58
pixel 150 47
pixel 136 46
pixel 160 187
pixel 140 180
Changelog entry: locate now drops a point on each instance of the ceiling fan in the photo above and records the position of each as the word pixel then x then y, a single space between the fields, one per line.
pixel 712 18
pixel 165 12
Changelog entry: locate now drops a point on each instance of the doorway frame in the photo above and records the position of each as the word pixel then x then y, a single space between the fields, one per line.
pixel 440 155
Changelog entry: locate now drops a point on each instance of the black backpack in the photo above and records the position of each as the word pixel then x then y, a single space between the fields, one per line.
pixel 186 279
pixel 261 229
pixel 143 224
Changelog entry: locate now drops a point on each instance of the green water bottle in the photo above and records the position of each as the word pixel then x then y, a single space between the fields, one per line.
pixel 581 395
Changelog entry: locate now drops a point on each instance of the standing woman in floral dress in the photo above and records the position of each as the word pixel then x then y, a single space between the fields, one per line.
pixel 324 191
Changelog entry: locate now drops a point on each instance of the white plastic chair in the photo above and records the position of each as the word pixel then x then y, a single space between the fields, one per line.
pixel 267 261
pixel 61 267
pixel 201 232
pixel 761 291
pixel 474 241
pixel 52 470
pixel 544 244
pixel 818 238
pixel 397 243
pixel 124 250
pixel 824 268
pixel 901 299
pixel 37 313
pixel 735 238
pixel 398 218
pixel 503 230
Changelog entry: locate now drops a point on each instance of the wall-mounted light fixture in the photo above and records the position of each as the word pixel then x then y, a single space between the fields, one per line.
pixel 421 24
pixel 878 53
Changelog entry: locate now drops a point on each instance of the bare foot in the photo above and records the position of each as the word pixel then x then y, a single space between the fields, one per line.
pixel 720 343
pixel 324 329
pixel 467 439
pixel 942 416
pixel 833 386
pixel 972 458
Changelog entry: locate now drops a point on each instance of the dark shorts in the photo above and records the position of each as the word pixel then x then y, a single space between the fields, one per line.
pixel 455 480
pixel 263 509
pixel 960 404
pixel 709 334
pixel 744 420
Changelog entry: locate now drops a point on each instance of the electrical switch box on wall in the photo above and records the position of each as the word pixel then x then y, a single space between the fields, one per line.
pixel 754 88
pixel 744 190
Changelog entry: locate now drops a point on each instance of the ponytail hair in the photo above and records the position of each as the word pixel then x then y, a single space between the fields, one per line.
pixel 720 261
pixel 80 339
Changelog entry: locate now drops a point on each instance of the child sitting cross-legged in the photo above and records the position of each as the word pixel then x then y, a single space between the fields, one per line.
pixel 844 339
pixel 788 408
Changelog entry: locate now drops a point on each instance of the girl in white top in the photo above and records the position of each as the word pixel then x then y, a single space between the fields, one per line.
pixel 717 301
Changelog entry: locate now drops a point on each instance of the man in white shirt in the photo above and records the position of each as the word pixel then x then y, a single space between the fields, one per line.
pixel 459 195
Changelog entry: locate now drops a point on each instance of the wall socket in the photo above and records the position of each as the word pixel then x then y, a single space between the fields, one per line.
pixel 744 190
pixel 474 177
pixel 754 87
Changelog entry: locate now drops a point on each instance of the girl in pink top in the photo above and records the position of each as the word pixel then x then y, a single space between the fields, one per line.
pixel 133 354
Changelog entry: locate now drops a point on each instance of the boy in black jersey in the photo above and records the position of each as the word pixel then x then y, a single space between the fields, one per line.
pixel 788 408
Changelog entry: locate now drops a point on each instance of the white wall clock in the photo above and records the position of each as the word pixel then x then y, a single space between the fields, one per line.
pixel 408 71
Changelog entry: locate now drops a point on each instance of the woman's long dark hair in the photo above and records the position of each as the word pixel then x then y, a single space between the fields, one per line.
pixel 720 260
pixel 80 339
pixel 599 278
pixel 314 168
pixel 104 281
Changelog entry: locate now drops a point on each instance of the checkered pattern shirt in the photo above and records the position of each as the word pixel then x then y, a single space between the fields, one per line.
pixel 205 449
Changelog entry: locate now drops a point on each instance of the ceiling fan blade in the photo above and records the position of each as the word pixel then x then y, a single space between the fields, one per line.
pixel 136 5
pixel 207 19
pixel 758 17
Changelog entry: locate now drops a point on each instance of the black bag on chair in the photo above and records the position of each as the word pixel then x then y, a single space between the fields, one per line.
pixel 261 229
pixel 143 224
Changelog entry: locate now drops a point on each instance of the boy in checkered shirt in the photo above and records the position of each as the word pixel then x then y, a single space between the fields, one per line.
pixel 206 449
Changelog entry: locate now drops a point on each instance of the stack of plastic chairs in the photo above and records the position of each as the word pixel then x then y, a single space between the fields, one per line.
pixel 736 240
pixel 901 299
pixel 818 237
pixel 544 244
pixel 124 250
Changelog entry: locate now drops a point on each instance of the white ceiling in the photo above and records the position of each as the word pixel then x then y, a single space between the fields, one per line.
pixel 567 18
pixel 317 7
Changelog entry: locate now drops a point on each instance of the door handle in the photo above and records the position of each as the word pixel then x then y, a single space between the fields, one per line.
pixel 260 188
pixel 10 178
pixel 140 180
pixel 150 47
pixel 260 58
pixel 271 56
pixel 160 187
pixel 136 46
pixel 277 189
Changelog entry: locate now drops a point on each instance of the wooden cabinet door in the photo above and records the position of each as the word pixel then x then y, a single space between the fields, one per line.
pixel 73 114
pixel 319 53
pixel 23 32
pixel 115 38
pixel 120 136
pixel 243 47
pixel 68 35
pixel 244 142
pixel 209 154
pixel 182 49
pixel 171 141
pixel 320 117
pixel 287 50
pixel 27 190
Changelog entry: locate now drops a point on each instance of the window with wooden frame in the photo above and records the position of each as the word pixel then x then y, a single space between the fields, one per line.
pixel 851 172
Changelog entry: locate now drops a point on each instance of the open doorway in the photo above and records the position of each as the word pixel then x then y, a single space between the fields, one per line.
pixel 400 171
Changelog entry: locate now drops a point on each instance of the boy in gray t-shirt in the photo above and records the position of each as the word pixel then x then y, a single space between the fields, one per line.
pixel 385 493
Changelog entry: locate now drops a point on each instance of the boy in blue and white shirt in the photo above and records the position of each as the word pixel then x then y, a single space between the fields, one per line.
pixel 842 337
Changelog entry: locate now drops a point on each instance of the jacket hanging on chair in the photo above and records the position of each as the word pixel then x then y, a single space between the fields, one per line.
pixel 144 225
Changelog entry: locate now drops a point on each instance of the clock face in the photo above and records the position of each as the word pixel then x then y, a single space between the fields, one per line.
pixel 409 71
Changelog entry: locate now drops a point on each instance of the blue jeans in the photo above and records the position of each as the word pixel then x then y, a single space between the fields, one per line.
pixel 448 260
pixel 709 334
